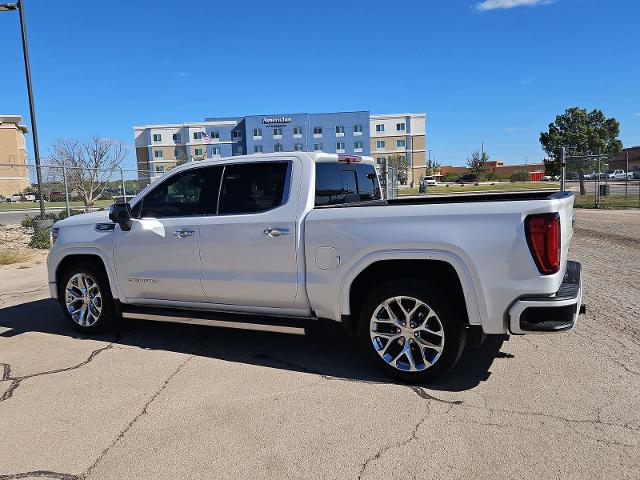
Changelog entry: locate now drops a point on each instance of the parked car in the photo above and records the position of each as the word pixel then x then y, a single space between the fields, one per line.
pixel 30 197
pixel 16 197
pixel 56 197
pixel 467 178
pixel 252 242
pixel 617 174
pixel 429 181
pixel 546 178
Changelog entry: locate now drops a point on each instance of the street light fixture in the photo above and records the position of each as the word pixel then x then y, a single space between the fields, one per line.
pixel 7 7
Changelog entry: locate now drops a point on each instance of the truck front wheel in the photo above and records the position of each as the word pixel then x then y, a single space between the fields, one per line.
pixel 412 330
pixel 86 298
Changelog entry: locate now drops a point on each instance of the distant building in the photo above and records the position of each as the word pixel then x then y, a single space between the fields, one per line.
pixel 632 154
pixel 497 167
pixel 14 174
pixel 161 147
pixel 401 134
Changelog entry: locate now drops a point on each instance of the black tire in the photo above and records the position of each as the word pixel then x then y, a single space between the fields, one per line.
pixel 450 312
pixel 107 319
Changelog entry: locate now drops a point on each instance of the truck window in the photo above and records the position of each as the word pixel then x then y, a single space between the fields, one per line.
pixel 193 192
pixel 338 183
pixel 253 187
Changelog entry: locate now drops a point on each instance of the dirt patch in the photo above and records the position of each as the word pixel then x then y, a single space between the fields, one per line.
pixel 14 247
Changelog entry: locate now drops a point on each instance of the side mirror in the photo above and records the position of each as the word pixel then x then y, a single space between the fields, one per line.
pixel 120 213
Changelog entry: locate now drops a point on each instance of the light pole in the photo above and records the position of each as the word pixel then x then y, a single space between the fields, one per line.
pixel 6 7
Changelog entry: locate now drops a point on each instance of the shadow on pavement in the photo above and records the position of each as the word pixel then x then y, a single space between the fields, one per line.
pixel 325 350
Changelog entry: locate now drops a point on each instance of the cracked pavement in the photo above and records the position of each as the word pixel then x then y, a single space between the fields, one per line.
pixel 177 401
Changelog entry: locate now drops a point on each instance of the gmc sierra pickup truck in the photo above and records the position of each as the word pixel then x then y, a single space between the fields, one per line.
pixel 290 238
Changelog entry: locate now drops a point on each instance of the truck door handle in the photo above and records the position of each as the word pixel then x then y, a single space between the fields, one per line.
pixel 184 233
pixel 276 232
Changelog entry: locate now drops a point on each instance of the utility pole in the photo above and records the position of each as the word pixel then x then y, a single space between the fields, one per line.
pixel 4 7
pixel 563 169
pixel 482 150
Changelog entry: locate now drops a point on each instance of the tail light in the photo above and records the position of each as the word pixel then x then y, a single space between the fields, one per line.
pixel 543 238
pixel 349 158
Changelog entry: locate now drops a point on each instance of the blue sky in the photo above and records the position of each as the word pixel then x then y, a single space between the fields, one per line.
pixel 496 71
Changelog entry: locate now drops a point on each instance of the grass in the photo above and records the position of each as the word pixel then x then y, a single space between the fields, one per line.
pixel 9 257
pixel 496 187
pixel 34 205
pixel 609 201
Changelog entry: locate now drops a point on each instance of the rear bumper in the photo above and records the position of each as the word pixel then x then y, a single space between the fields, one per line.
pixel 557 313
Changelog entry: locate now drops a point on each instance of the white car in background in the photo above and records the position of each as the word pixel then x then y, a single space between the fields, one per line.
pixel 16 197
pixel 30 197
pixel 618 174
pixel 429 181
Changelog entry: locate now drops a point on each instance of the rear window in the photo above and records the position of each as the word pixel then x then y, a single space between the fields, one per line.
pixel 338 183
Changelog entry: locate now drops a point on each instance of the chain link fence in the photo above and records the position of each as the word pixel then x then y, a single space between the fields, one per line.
pixel 66 188
pixel 597 186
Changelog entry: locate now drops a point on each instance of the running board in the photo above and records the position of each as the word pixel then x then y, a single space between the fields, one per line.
pixel 241 321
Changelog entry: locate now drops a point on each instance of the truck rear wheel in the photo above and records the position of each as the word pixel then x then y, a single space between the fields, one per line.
pixel 412 330
pixel 86 298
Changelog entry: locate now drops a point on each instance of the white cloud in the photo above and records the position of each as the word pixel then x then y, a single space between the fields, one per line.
pixel 527 81
pixel 505 4
pixel 637 114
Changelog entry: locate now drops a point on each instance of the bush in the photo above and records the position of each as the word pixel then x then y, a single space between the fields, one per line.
pixel 449 177
pixel 40 240
pixel 28 220
pixel 63 214
pixel 520 176
pixel 8 257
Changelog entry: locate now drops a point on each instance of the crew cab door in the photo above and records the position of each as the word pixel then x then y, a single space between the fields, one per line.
pixel 249 249
pixel 159 258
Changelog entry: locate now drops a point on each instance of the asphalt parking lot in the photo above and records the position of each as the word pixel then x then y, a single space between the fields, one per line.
pixel 176 401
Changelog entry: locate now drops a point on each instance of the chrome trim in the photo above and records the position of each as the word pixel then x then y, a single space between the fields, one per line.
pixel 215 323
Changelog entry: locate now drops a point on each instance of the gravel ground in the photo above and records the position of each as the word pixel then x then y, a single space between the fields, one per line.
pixel 175 401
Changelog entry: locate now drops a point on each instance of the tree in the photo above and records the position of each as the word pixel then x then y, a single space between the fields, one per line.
pixel 432 167
pixel 520 176
pixel 581 133
pixel 89 164
pixel 477 163
pixel 401 165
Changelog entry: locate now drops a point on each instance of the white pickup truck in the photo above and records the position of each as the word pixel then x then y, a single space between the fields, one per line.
pixel 289 238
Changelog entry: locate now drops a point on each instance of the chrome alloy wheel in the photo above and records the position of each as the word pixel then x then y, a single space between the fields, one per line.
pixel 83 299
pixel 407 334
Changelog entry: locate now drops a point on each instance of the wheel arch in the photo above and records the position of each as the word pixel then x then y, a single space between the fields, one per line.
pixel 93 256
pixel 382 266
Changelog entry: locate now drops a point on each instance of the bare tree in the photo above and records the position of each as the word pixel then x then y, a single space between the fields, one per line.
pixel 432 167
pixel 90 164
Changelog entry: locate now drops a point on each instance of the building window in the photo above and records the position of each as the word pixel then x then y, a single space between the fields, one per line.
pixel 380 160
pixel 215 151
pixel 157 137
pixel 257 132
pixel 297 147
pixel 159 168
pixel 197 152
pixel 257 149
pixel 317 147
pixel 277 147
pixel 340 146
pixel 236 150
pixel 236 135
pixel 297 130
pixel 177 138
pixel 380 127
pixel 277 132
pixel 340 129
pixel 317 130
pixel 158 154
pixel 176 154
pixel 379 144
pixel 401 143
pixel 215 134
pixel 357 129
pixel 197 135
pixel 400 127
pixel 357 145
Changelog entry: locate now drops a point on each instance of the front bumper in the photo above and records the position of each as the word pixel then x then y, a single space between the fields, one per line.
pixel 557 313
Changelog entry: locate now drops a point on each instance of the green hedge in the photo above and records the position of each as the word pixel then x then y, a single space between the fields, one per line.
pixel 40 240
